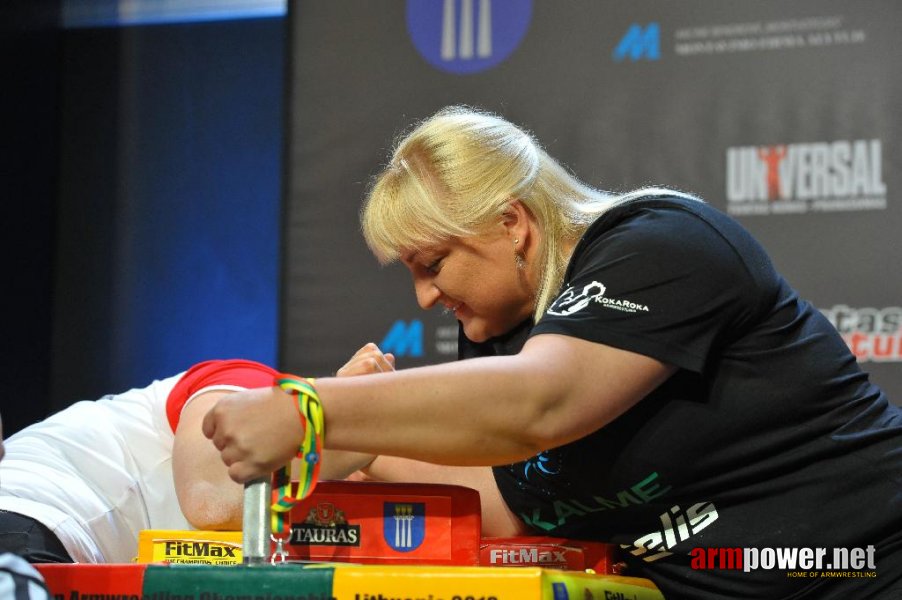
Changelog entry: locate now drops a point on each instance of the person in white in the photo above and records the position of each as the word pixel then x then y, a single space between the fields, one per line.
pixel 98 472
pixel 82 484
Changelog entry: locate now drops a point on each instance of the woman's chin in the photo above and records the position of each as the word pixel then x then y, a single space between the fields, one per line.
pixel 480 331
pixel 475 332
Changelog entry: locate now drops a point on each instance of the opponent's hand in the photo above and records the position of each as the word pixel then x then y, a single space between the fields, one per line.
pixel 342 464
pixel 256 431
pixel 369 359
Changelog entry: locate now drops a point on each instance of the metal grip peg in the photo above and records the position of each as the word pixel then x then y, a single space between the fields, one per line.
pixel 255 524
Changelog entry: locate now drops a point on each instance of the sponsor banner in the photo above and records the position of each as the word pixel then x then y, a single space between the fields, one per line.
pixel 368 522
pixel 189 547
pixel 549 553
pixel 375 527
pixel 767 35
pixel 843 175
pixel 411 338
pixel 873 334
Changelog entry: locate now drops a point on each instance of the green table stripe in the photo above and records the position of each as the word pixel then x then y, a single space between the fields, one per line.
pixel 206 582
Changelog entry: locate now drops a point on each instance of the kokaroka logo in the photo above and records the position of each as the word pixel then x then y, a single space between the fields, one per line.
pixel 574 299
pixel 676 526
pixel 845 175
pixel 325 525
pixel 467 36
pixel 872 334
pixel 799 562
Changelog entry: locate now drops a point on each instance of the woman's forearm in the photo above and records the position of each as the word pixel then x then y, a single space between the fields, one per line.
pixel 423 413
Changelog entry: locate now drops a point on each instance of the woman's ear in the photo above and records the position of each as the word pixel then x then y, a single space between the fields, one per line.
pixel 516 220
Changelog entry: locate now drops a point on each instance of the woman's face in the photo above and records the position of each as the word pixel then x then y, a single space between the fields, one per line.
pixel 475 277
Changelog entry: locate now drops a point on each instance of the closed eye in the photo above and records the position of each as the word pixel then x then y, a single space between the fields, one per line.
pixel 433 267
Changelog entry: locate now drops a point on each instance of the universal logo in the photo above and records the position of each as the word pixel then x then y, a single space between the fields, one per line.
pixel 325 525
pixel 843 175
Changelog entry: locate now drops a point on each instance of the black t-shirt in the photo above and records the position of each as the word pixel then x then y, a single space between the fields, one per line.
pixel 768 436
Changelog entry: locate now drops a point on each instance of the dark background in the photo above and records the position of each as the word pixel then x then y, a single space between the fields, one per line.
pixel 141 196
pixel 179 190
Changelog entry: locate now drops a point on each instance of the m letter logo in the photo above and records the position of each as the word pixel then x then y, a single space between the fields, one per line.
pixel 639 42
pixel 403 339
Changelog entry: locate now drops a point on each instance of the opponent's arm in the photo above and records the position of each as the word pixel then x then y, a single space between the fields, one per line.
pixel 208 497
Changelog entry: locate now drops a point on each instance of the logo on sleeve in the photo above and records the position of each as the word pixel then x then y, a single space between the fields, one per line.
pixel 574 299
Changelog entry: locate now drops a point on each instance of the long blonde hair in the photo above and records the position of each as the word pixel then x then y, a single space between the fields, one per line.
pixel 453 176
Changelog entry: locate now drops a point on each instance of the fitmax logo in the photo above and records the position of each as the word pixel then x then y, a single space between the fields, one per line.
pixel 639 42
pixel 404 339
pixel 467 36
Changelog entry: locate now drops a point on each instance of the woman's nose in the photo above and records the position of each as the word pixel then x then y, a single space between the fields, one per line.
pixel 427 293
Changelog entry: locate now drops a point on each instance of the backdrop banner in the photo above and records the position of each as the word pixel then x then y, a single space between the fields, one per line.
pixel 784 115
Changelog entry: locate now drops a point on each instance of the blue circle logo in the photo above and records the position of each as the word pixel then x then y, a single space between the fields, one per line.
pixel 467 36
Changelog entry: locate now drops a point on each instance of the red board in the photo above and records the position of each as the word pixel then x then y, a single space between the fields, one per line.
pixel 550 553
pixel 387 523
pixel 100 581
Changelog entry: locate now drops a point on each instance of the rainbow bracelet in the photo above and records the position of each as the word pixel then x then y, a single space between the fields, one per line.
pixel 310 410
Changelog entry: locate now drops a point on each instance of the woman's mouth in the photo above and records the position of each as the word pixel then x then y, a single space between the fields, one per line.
pixel 452 308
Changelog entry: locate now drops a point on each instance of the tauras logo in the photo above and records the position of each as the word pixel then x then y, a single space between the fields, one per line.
pixel 822 176
pixel 325 525
pixel 340 535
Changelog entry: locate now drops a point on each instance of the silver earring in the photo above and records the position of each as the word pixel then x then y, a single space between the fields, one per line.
pixel 521 262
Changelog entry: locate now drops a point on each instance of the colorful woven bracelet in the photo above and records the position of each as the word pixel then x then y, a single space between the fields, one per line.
pixel 310 451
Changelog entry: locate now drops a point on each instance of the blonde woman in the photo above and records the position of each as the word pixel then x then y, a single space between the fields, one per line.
pixel 636 372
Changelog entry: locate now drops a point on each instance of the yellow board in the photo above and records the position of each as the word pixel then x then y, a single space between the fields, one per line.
pixel 189 547
pixel 372 582
pixel 366 582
